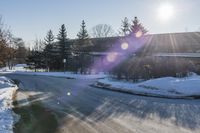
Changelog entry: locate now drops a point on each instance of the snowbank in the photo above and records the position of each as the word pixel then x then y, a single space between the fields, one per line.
pixel 7 89
pixel 21 69
pixel 17 67
pixel 66 75
pixel 170 87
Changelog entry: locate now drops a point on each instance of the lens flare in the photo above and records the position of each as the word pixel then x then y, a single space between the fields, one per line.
pixel 68 93
pixel 111 57
pixel 124 46
pixel 138 34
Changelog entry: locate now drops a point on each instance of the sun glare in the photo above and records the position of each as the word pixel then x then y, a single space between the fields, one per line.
pixel 124 46
pixel 165 12
pixel 68 93
pixel 111 57
pixel 138 34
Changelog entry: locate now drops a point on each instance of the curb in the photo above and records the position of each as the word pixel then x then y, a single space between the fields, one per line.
pixel 110 88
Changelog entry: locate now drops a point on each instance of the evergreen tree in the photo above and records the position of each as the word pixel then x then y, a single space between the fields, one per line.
pixel 35 60
pixel 49 40
pixel 83 34
pixel 125 26
pixel 137 29
pixel 63 46
pixel 62 42
pixel 83 42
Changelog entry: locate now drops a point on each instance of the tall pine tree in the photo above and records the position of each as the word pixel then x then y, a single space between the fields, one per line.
pixel 125 27
pixel 49 39
pixel 83 34
pixel 48 50
pixel 63 46
pixel 137 29
pixel 83 41
pixel 62 41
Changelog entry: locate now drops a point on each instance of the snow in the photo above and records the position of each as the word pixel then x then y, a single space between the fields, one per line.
pixel 7 89
pixel 65 75
pixel 170 87
pixel 185 55
pixel 21 65
pixel 21 69
pixel 17 67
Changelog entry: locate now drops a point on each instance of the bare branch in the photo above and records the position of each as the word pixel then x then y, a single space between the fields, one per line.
pixel 102 30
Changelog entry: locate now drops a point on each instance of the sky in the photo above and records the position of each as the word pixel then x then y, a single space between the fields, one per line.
pixel 31 19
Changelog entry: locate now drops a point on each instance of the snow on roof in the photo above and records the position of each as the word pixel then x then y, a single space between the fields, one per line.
pixel 21 65
pixel 104 53
pixel 186 55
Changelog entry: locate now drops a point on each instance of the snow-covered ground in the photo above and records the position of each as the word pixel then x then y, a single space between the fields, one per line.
pixel 21 69
pixel 17 68
pixel 7 89
pixel 66 74
pixel 163 87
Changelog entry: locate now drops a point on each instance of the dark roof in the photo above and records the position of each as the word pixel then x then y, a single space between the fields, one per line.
pixel 99 44
pixel 186 42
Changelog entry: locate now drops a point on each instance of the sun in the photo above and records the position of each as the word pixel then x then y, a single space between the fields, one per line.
pixel 165 12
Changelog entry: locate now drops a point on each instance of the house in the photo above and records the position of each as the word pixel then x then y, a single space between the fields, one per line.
pixel 186 42
pixel 170 45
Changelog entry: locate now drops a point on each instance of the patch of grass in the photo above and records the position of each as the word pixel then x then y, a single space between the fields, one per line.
pixel 35 119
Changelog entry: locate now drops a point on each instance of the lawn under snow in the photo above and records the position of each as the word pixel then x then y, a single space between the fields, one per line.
pixel 66 74
pixel 16 68
pixel 164 87
pixel 20 69
pixel 7 90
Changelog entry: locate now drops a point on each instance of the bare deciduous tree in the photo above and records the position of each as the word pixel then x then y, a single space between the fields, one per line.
pixel 6 48
pixel 102 30
pixel 21 51
pixel 38 45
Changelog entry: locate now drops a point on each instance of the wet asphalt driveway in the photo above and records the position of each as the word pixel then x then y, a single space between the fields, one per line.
pixel 49 104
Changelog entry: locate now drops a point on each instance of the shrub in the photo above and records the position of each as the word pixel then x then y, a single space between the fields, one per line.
pixel 153 67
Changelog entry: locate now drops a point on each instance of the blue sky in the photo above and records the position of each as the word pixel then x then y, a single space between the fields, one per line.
pixel 33 18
